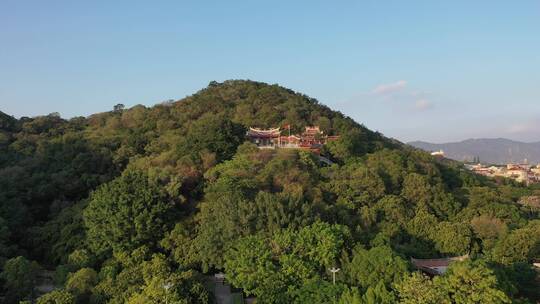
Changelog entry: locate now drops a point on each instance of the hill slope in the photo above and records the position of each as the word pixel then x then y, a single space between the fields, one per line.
pixel 494 151
pixel 7 123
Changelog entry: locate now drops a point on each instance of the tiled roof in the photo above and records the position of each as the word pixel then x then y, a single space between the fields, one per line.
pixel 436 266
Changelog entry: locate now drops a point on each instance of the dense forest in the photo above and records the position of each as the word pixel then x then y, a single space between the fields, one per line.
pixel 144 205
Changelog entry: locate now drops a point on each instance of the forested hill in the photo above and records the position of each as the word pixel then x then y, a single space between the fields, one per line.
pixel 142 205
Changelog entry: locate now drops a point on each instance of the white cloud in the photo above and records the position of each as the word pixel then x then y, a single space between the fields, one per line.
pixel 400 97
pixel 518 128
pixel 530 126
pixel 389 88
pixel 423 104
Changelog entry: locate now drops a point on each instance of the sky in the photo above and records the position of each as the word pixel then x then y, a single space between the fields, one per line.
pixel 414 70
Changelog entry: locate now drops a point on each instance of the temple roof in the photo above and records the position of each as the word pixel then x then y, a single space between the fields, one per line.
pixel 312 130
pixel 269 133
pixel 291 137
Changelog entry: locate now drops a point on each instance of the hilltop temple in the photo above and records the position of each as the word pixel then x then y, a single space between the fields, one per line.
pixel 268 138
pixel 311 139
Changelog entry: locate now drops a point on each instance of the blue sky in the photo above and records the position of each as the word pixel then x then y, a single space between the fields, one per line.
pixel 428 70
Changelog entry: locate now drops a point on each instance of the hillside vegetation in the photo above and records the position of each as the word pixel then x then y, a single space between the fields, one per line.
pixel 141 205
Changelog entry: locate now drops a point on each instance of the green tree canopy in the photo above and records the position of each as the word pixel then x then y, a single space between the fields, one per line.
pixel 419 289
pixel 470 283
pixel 57 297
pixel 20 277
pixel 367 268
pixel 81 283
pixel 163 285
pixel 273 268
pixel 521 245
pixel 125 213
pixel 453 238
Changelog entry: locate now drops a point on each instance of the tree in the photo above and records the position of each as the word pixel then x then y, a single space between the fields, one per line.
pixel 142 277
pixel 419 289
pixel 162 285
pixel 4 239
pixel 379 294
pixel 518 280
pixel 179 243
pixel 220 222
pixel 531 203
pixel 521 245
pixel 80 258
pixel 126 213
pixel 422 225
pixel 394 210
pixel 118 108
pixel 81 283
pixel 7 122
pixel 350 144
pixel 367 268
pixel 470 283
pixel 254 192
pixel 249 263
pixel 213 133
pixel 355 185
pixel 63 234
pixel 121 276
pixel 351 296
pixel 464 283
pixel 20 276
pixel 57 297
pixel 272 269
pixel 317 291
pixel 319 243
pixel 489 230
pixel 417 190
pixel 453 238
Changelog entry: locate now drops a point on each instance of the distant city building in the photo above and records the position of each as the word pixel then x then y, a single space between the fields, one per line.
pixel 439 153
pixel 311 139
pixel 522 173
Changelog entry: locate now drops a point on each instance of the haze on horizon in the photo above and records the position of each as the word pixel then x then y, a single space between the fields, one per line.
pixel 412 70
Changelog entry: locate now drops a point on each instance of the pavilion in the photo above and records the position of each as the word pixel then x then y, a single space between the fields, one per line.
pixel 436 266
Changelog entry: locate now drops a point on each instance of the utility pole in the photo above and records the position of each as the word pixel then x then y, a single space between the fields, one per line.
pixel 334 270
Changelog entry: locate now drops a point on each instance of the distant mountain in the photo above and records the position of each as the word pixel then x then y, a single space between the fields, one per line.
pixel 489 150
